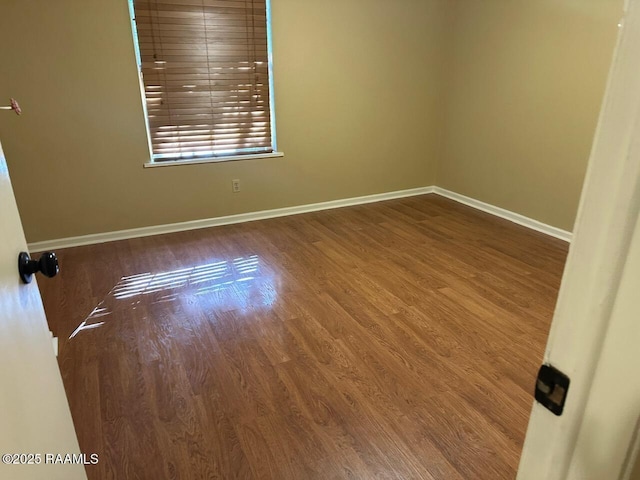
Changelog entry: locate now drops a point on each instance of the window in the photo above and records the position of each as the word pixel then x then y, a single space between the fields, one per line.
pixel 205 67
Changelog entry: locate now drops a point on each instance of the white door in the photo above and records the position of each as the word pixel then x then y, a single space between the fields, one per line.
pixel 35 422
pixel 595 334
pixel 607 445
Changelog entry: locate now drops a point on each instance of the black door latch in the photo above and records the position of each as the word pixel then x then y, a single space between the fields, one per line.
pixel 551 388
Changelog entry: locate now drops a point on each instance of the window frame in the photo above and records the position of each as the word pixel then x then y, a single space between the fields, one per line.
pixel 201 159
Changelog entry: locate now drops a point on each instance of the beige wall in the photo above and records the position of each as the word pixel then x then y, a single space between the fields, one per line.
pixel 495 99
pixel 356 86
pixel 635 474
pixel 525 81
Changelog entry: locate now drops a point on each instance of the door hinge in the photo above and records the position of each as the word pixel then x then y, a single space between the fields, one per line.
pixel 551 388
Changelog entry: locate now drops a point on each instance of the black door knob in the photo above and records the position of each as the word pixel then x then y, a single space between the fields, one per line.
pixel 47 264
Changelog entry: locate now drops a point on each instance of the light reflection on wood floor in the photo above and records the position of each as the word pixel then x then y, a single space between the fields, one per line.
pixel 392 340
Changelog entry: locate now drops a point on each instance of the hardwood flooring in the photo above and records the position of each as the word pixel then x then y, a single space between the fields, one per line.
pixel 396 340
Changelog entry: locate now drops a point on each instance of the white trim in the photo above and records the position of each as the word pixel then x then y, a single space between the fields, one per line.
pixel 228 158
pixel 282 212
pixel 54 341
pixel 272 97
pixel 214 222
pixel 506 214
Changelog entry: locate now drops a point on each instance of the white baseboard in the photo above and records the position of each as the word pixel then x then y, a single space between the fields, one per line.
pixel 506 214
pixel 214 222
pixel 282 212
pixel 54 341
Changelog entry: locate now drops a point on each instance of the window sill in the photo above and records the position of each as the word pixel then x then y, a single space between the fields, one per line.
pixel 231 158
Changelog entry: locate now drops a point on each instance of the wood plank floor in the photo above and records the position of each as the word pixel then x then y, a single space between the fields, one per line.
pixel 394 340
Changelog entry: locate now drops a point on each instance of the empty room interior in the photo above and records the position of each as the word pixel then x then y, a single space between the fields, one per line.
pixel 347 267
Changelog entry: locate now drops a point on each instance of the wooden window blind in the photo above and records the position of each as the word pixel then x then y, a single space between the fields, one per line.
pixel 205 71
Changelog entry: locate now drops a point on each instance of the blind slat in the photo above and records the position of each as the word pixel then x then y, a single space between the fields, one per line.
pixel 205 72
pixel 194 125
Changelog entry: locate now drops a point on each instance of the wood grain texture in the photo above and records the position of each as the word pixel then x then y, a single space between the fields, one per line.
pixel 394 340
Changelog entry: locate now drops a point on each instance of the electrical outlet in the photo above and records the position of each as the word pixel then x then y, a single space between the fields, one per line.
pixel 235 186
